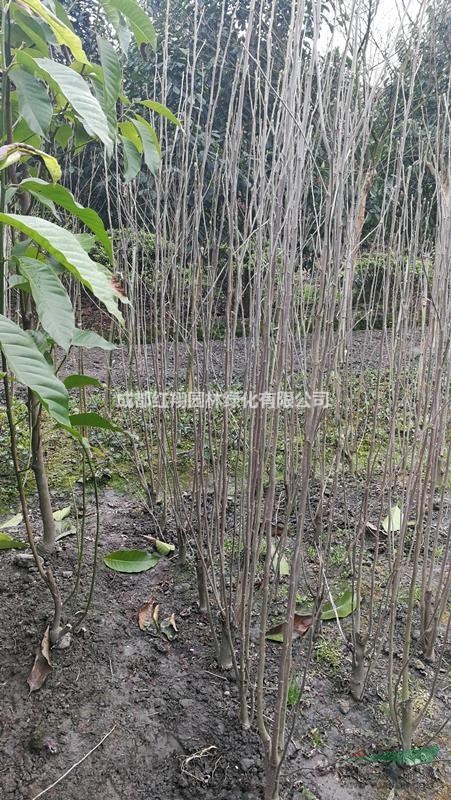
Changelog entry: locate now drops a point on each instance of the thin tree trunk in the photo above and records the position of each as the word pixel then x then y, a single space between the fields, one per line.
pixel 38 466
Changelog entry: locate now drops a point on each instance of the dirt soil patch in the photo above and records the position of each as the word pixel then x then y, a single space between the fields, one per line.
pixel 173 714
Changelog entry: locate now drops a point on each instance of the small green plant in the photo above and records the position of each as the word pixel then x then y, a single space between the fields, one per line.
pixel 316 737
pixel 338 555
pixel 294 692
pixel 328 653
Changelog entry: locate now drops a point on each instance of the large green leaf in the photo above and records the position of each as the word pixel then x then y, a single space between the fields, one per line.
pixel 136 17
pixel 10 153
pixel 63 197
pixel 393 521
pixel 129 131
pixel 79 381
pixel 117 21
pixel 345 604
pixel 159 108
pixel 12 522
pixel 53 304
pixel 149 139
pixel 65 247
pixel 63 34
pixel 91 339
pixel 30 368
pixel 8 543
pixel 34 103
pixel 90 419
pixel 418 755
pixel 111 72
pixel 77 93
pixel 35 31
pixel 131 560
pixel 132 159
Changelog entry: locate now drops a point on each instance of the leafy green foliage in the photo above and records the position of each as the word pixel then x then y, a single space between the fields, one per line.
pixel 63 197
pixel 31 368
pixel 111 72
pixel 137 19
pixel 91 339
pixel 34 103
pixel 53 304
pixel 64 246
pixel 11 153
pixel 76 91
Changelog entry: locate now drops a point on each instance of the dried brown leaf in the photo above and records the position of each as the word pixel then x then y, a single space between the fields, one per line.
pixel 301 624
pixel 148 616
pixel 42 664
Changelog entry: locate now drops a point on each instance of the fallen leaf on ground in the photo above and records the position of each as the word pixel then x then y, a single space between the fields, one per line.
pixel 131 560
pixel 8 543
pixel 345 604
pixel 148 616
pixel 371 528
pixel 163 548
pixel 393 520
pixel 277 528
pixel 410 758
pixel 13 522
pixel 301 624
pixel 68 530
pixel 42 664
pixel 168 627
pixel 61 514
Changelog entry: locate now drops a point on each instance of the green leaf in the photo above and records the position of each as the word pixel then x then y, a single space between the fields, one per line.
pixel 111 72
pixel 137 19
pixel 91 339
pixel 33 29
pixel 63 34
pixel 34 103
pixel 132 160
pixel 13 522
pixel 7 543
pixel 10 153
pixel 63 134
pixel 78 381
pixel 418 755
pixel 345 604
pixel 120 26
pixel 43 342
pixel 30 368
pixel 129 131
pixel 283 564
pixel 61 514
pixel 63 197
pixel 86 240
pixel 90 419
pixel 149 139
pixel 22 133
pixel 53 304
pixel 77 93
pixel 164 548
pixel 393 521
pixel 161 109
pixel 131 560
pixel 18 282
pixel 64 246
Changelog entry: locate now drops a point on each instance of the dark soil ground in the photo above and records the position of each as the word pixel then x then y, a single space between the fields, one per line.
pixel 171 714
